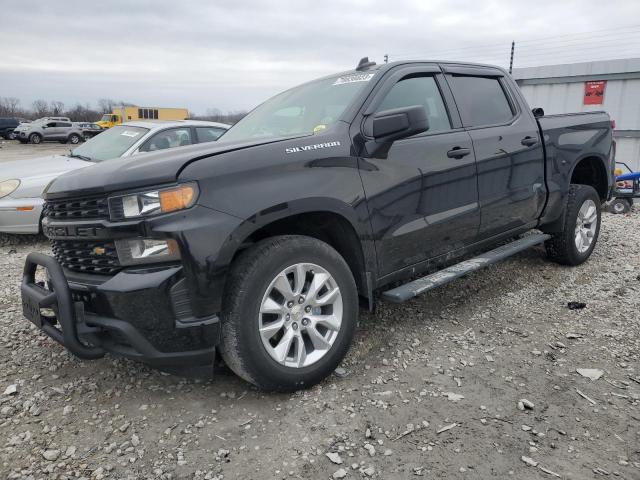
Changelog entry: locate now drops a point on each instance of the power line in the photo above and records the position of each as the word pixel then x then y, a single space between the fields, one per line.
pixel 598 43
pixel 573 41
pixel 586 57
pixel 581 33
pixel 592 43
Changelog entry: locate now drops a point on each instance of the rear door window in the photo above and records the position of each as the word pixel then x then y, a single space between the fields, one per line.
pixel 481 100
pixel 208 134
pixel 171 138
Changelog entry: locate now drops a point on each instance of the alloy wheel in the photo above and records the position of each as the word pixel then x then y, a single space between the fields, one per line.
pixel 586 225
pixel 300 315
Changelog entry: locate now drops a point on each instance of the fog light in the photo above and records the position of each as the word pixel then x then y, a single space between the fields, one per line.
pixel 136 251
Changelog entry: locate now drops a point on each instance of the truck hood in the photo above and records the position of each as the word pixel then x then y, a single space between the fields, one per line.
pixel 34 174
pixel 141 170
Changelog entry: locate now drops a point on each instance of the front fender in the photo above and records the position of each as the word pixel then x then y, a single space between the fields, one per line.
pixel 282 211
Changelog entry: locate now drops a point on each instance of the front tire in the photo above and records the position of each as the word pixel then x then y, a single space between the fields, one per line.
pixel 289 313
pixel 35 138
pixel 582 216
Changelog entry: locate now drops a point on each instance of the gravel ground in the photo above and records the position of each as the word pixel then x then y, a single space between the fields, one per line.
pixel 14 150
pixel 476 380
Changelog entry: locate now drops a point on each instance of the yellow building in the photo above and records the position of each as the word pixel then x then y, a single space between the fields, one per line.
pixel 124 114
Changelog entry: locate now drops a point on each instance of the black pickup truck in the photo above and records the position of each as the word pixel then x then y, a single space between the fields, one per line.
pixel 343 189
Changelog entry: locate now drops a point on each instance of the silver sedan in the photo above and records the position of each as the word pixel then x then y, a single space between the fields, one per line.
pixel 22 182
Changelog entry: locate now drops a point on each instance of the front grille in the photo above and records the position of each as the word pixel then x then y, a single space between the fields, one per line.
pixel 87 257
pixel 79 208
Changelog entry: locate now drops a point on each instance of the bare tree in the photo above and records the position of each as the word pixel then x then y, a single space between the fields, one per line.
pixel 40 108
pixel 83 113
pixel 57 108
pixel 106 104
pixel 215 115
pixel 10 105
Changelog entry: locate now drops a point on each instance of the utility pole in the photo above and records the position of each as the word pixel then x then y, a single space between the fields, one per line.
pixel 386 58
pixel 513 47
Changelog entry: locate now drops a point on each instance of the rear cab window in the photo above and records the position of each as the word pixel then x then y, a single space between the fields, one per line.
pixel 482 101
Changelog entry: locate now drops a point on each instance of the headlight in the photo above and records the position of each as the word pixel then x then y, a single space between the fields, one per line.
pixel 154 202
pixel 46 189
pixel 8 187
pixel 137 251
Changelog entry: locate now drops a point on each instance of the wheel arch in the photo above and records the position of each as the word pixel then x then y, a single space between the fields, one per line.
pixel 591 170
pixel 328 220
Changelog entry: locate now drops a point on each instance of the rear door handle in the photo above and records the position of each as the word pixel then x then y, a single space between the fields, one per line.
pixel 457 152
pixel 529 141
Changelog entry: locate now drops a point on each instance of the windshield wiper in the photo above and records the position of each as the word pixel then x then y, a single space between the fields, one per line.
pixel 81 157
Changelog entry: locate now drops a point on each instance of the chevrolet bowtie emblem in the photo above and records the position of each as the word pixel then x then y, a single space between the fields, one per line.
pixel 98 250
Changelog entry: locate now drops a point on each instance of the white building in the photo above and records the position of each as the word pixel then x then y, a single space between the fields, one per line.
pixel 611 85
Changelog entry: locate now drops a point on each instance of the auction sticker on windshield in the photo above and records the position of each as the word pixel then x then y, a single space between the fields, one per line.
pixel 127 133
pixel 356 77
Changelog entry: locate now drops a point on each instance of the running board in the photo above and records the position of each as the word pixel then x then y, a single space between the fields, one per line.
pixel 424 284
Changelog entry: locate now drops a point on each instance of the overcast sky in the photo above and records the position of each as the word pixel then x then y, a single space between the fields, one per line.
pixel 233 55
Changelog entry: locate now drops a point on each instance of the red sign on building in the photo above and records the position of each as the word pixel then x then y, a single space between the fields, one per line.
pixel 594 92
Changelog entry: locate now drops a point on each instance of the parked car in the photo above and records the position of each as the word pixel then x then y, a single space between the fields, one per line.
pixel 23 125
pixel 259 246
pixel 7 126
pixel 23 181
pixel 52 130
pixel 26 125
pixel 90 130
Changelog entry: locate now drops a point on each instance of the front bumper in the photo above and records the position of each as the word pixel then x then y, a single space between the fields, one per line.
pixel 137 314
pixel 15 219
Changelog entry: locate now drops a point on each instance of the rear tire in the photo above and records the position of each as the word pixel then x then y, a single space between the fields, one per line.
pixel 35 138
pixel 582 215
pixel 619 205
pixel 273 287
pixel 74 139
pixel 11 136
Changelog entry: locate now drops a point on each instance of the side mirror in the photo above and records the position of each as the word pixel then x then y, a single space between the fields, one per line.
pixel 537 112
pixel 389 125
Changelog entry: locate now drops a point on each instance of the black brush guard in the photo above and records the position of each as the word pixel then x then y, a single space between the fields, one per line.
pixel 70 324
pixel 57 298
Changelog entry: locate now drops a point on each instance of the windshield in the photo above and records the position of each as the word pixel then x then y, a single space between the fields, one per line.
pixel 111 143
pixel 106 118
pixel 306 109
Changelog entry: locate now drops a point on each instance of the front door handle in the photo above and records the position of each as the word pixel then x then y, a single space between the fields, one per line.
pixel 529 141
pixel 457 152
